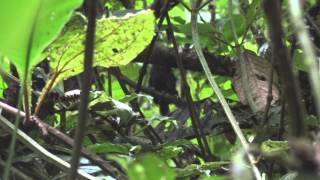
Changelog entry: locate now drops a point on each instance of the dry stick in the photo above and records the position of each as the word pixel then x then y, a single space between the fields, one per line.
pixel 202 140
pixel 309 54
pixel 243 67
pixel 153 92
pixel 16 172
pixel 109 83
pixel 269 96
pixel 84 98
pixel 282 115
pixel 13 140
pixel 67 140
pixel 296 111
pixel 222 100
pixel 34 146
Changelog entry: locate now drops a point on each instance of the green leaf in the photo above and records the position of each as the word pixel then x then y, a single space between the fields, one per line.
pixel 196 169
pixel 215 177
pixel 299 60
pixel 150 167
pixel 4 68
pixel 118 41
pixel 30 26
pixel 109 148
pixel 274 146
pixel 168 152
pixel 240 25
pixel 253 11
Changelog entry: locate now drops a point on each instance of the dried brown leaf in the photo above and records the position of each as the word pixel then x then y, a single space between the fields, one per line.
pixel 258 72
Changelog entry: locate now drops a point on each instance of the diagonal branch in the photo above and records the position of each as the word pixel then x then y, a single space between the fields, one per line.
pixel 84 98
pixel 226 107
pixel 291 91
pixel 106 166
pixel 34 146
pixel 309 53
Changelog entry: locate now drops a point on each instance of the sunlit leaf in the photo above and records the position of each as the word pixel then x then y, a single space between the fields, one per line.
pixel 118 41
pixel 150 167
pixel 30 26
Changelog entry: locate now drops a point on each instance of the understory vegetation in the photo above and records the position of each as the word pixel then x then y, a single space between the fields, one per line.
pixel 159 89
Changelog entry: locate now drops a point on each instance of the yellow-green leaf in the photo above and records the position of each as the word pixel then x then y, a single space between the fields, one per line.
pixel 118 41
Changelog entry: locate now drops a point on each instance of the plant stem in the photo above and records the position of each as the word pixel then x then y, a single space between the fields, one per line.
pixel 309 54
pixel 291 90
pixel 243 67
pixel 84 99
pixel 23 92
pixel 196 125
pixel 34 146
pixel 222 100
pixel 45 92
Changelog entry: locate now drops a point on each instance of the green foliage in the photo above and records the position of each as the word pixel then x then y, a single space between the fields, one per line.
pixel 30 26
pixel 109 148
pixel 148 167
pixel 217 177
pixel 3 69
pixel 36 29
pixel 118 41
pixel 274 146
pixel 193 169
pixel 299 61
pixel 3 86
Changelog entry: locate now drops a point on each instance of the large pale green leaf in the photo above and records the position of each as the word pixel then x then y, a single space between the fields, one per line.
pixel 118 41
pixel 30 26
pixel 148 167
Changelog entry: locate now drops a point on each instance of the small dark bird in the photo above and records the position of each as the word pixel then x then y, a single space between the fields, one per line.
pixel 163 80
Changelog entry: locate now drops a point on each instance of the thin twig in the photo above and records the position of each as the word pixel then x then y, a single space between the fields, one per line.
pixel 84 98
pixel 106 166
pixel 16 172
pixel 149 131
pixel 109 83
pixel 291 90
pixel 309 54
pixel 34 146
pixel 215 87
pixel 243 67
pixel 149 90
pixel 204 4
pixel 201 138
pixel 269 96
pixel 282 115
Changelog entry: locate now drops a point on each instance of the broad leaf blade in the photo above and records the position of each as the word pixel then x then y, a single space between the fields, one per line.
pixel 31 26
pixel 118 41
